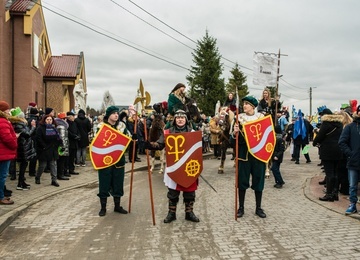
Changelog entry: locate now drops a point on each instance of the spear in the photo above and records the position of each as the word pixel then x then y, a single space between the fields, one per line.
pixel 149 174
pixel 236 153
pixel 132 163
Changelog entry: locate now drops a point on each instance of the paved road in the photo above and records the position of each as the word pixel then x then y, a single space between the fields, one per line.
pixel 67 226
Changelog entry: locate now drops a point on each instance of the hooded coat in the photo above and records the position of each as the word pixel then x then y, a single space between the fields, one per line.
pixel 8 140
pixel 26 149
pixel 328 137
pixel 84 126
pixel 349 143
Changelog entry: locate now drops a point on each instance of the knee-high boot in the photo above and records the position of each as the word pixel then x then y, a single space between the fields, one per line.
pixel 241 211
pixel 259 211
pixel 172 212
pixel 189 214
pixel 102 211
pixel 117 207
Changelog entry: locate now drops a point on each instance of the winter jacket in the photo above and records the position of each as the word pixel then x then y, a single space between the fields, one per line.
pixel 26 149
pixel 62 128
pixel 73 135
pixel 84 126
pixel 349 143
pixel 8 140
pixel 279 148
pixel 328 137
pixel 47 146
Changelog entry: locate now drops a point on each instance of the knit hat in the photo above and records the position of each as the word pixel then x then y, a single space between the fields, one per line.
pixel 16 111
pixel 110 110
pixel 48 110
pixel 33 111
pixel 62 115
pixel 251 100
pixel 4 106
pixel 326 111
pixel 32 104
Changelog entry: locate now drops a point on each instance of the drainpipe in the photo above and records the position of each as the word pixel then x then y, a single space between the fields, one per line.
pixel 13 63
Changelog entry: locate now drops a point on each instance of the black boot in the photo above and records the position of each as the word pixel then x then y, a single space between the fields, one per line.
pixel 102 211
pixel 189 215
pixel 327 197
pixel 172 212
pixel 240 212
pixel 259 211
pixel 117 207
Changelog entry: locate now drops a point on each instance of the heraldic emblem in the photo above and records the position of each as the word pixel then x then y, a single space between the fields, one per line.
pixel 184 157
pixel 260 138
pixel 107 147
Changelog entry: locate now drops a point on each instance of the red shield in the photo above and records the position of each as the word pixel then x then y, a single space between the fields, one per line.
pixel 107 147
pixel 184 157
pixel 260 138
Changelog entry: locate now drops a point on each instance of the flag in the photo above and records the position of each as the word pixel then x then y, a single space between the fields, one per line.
pixel 265 69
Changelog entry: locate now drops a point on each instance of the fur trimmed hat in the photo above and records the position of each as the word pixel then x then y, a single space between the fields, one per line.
pixel 4 106
pixel 251 100
pixel 110 110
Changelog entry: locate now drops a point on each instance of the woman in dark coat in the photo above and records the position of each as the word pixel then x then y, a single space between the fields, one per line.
pixel 26 149
pixel 47 144
pixel 330 153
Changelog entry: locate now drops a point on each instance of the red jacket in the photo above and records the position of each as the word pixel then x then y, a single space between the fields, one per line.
pixel 8 140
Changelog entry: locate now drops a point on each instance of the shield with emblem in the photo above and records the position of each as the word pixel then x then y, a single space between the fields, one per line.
pixel 184 157
pixel 260 138
pixel 107 147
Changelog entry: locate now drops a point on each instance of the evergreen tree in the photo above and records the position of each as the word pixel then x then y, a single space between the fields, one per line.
pixel 237 80
pixel 206 84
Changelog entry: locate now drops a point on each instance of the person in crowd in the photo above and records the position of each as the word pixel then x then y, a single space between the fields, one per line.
pixel 84 125
pixel 230 102
pixel 277 157
pixel 130 125
pixel 248 164
pixel 8 149
pixel 342 172
pixel 33 117
pixel 349 143
pixel 301 136
pixel 267 104
pixel 180 125
pixel 63 150
pixel 176 99
pixel 26 150
pixel 330 154
pixel 74 138
pixel 282 122
pixel 111 179
pixel 215 131
pixel 47 144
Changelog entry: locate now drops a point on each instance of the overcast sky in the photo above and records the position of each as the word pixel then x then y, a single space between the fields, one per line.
pixel 320 38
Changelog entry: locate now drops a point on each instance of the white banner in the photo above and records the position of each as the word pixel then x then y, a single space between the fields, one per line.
pixel 265 69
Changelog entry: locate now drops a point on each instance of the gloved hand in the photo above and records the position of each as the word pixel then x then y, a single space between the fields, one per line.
pixel 134 137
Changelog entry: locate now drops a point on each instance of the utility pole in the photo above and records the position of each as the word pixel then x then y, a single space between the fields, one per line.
pixel 310 92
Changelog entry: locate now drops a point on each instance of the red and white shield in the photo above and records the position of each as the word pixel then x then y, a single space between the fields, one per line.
pixel 260 138
pixel 107 147
pixel 184 157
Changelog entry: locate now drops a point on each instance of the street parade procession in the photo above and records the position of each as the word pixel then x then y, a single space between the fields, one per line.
pixel 179 130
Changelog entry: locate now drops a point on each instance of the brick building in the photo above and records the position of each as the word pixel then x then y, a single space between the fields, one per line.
pixel 28 71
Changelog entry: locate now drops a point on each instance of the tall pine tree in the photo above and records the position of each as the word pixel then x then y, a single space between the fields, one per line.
pixel 237 80
pixel 206 84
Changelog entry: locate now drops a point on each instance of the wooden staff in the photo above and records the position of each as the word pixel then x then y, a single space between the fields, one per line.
pixel 132 164
pixel 149 175
pixel 236 155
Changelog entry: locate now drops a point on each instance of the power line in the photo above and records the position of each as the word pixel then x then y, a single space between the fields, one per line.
pixel 112 38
